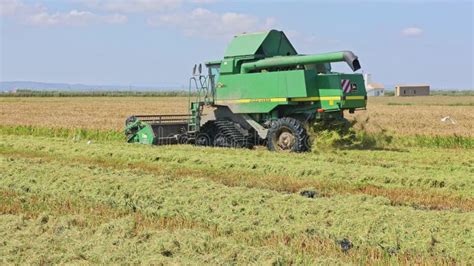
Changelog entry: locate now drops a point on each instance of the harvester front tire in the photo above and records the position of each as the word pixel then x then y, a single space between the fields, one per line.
pixel 287 135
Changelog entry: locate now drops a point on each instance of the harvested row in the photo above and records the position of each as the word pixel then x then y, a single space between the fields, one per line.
pixel 49 230
pixel 438 181
pixel 292 225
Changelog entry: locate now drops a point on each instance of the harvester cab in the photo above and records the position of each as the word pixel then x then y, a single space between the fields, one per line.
pixel 261 92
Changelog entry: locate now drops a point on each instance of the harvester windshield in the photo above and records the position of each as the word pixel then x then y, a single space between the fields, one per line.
pixel 214 72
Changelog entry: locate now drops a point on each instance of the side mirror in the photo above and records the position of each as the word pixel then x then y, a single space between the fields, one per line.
pixel 194 70
pixel 200 69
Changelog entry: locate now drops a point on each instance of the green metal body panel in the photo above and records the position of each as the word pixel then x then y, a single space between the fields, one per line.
pixel 228 66
pixel 263 85
pixel 269 43
pixel 358 98
pixel 143 133
pixel 146 135
pixel 263 92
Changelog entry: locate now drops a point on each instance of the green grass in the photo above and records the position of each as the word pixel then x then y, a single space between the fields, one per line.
pixel 362 140
pixel 76 134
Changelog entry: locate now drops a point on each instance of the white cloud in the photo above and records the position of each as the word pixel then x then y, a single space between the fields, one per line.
pixel 412 31
pixel 133 6
pixel 7 8
pixel 203 1
pixel 73 18
pixel 13 8
pixel 40 16
pixel 203 22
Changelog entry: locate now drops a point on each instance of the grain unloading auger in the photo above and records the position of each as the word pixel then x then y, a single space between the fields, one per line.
pixel 262 91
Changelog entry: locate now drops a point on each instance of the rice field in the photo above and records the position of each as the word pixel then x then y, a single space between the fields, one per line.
pixel 420 115
pixel 398 115
pixel 72 192
pixel 105 113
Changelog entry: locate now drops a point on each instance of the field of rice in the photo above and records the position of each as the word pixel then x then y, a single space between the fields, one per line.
pixel 420 115
pixel 400 115
pixel 72 194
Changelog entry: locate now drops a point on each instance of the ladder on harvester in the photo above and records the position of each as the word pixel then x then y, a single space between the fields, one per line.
pixel 200 84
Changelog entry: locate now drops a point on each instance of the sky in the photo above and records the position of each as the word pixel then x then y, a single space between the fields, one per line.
pixel 157 42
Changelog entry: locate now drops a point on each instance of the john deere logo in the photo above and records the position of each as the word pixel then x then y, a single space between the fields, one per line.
pixel 353 87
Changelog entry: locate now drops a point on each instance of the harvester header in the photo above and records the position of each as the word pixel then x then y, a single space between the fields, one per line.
pixel 262 91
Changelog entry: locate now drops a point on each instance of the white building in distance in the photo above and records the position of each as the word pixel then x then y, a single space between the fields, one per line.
pixel 373 89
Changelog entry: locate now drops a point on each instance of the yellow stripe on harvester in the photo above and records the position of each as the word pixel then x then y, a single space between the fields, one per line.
pixel 355 97
pixel 315 98
pixel 263 100
pixel 297 99
pixel 305 99
pixel 257 100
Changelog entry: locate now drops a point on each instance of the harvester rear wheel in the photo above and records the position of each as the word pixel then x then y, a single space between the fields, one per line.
pixel 287 135
pixel 206 134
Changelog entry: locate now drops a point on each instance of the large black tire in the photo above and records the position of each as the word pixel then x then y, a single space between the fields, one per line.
pixel 287 135
pixel 206 134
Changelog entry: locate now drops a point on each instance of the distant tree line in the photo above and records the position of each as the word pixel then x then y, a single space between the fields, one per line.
pixel 453 92
pixel 35 93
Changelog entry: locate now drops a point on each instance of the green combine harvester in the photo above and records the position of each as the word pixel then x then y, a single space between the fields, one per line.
pixel 261 92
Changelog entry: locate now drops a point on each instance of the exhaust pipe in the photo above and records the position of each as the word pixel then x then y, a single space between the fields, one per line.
pixel 352 60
